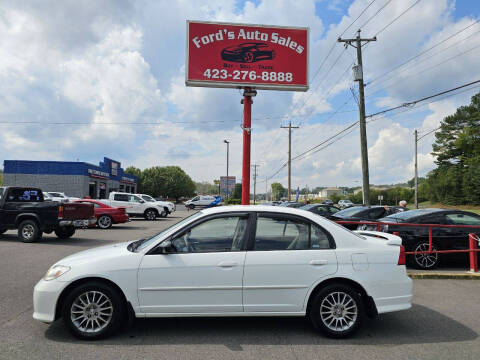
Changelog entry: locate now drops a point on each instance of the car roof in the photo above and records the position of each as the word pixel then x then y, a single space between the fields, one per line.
pixel 257 208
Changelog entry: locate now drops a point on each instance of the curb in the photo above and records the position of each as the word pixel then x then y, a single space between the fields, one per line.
pixel 444 275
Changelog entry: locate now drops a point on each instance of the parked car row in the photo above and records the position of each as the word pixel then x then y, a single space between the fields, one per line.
pixel 414 238
pixel 33 212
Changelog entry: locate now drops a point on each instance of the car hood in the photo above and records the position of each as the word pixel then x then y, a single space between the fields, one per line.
pixel 98 253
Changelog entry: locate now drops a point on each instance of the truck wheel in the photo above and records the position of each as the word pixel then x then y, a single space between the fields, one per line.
pixel 150 214
pixel 64 232
pixel 104 222
pixel 29 232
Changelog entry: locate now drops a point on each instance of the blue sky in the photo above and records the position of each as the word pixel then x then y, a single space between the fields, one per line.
pixel 108 69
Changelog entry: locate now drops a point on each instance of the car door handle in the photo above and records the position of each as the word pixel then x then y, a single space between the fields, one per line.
pixel 318 262
pixel 226 264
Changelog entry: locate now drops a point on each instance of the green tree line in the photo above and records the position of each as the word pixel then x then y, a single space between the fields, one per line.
pixel 163 181
pixel 456 180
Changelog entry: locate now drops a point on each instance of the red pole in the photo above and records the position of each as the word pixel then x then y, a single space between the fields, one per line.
pixel 430 238
pixel 247 123
pixel 473 254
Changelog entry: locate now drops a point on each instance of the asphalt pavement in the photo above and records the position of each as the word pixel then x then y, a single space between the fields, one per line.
pixel 444 322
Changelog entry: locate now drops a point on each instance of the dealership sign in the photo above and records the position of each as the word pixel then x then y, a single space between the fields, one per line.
pixel 240 56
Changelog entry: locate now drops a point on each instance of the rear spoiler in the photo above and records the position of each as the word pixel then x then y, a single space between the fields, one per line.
pixel 390 238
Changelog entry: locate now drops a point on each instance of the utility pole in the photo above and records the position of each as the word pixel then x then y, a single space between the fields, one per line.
pixel 254 166
pixel 416 170
pixel 358 74
pixel 266 188
pixel 289 127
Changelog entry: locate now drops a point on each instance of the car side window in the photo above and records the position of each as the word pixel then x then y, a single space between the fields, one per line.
pixel 462 219
pixel 120 197
pixel 196 198
pixel 215 235
pixel 376 213
pixel 285 233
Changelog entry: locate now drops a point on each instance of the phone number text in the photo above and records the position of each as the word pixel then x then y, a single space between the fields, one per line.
pixel 248 75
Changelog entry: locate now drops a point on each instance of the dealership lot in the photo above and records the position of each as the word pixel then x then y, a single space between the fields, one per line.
pixel 443 323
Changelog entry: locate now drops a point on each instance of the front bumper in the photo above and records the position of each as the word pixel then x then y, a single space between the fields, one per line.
pixel 45 297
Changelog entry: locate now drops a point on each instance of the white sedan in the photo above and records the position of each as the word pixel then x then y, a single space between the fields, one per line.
pixel 231 261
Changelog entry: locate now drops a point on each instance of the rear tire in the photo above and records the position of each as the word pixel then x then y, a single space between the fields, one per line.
pixel 104 222
pixel 424 261
pixel 65 232
pixel 2 231
pixel 191 206
pixel 337 311
pixel 93 310
pixel 29 231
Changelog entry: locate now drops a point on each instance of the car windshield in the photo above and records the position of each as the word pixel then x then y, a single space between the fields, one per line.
pixel 405 216
pixel 350 211
pixel 174 227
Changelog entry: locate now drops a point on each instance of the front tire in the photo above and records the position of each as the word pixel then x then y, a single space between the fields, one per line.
pixel 2 231
pixel 93 311
pixel 104 222
pixel 150 214
pixel 29 231
pixel 337 311
pixel 65 232
pixel 191 206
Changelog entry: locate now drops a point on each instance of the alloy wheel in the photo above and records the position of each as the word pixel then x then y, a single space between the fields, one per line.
pixel 104 222
pixel 425 261
pixel 91 311
pixel 28 231
pixel 338 311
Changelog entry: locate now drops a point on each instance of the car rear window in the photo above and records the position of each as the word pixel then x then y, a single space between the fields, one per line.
pixel 22 195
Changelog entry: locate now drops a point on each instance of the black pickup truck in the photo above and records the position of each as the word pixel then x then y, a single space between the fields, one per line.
pixel 24 209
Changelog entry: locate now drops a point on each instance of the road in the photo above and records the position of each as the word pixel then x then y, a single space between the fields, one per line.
pixel 444 322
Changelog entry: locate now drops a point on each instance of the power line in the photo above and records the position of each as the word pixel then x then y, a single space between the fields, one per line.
pixel 107 123
pixel 426 69
pixel 412 103
pixel 378 11
pixel 398 17
pixel 423 52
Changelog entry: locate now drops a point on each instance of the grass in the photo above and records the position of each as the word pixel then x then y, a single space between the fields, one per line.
pixel 428 204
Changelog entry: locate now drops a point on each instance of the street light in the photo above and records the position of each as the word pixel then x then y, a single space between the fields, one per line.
pixel 228 143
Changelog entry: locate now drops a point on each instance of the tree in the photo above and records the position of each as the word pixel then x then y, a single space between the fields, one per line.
pixel 237 192
pixel 132 170
pixel 206 188
pixel 278 191
pixel 457 152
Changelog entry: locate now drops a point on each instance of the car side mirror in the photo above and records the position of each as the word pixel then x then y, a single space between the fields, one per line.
pixel 166 247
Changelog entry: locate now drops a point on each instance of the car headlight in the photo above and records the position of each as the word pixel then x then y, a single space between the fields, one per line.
pixel 55 272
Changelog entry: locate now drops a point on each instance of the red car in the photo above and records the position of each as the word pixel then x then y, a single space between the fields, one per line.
pixel 106 215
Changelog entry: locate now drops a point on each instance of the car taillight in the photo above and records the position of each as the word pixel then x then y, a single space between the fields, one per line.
pixel 60 211
pixel 401 256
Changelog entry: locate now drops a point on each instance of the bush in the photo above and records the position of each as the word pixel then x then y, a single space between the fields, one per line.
pixel 234 202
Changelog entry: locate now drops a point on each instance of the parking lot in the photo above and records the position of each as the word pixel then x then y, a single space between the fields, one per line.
pixel 443 323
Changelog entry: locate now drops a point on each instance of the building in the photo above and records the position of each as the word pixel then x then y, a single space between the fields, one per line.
pixel 77 179
pixel 329 191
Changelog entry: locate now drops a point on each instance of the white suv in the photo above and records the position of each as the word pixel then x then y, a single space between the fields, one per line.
pixel 135 205
pixel 168 206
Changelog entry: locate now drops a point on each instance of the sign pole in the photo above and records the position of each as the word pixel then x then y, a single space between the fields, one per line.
pixel 247 123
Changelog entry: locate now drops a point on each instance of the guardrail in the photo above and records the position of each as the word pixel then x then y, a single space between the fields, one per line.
pixel 474 239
